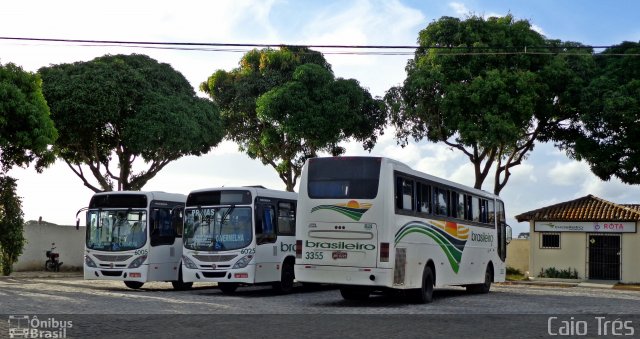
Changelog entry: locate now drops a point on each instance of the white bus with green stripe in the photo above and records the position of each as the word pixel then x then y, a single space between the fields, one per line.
pixel 373 224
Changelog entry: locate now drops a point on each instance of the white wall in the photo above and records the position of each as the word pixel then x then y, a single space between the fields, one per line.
pixel 69 243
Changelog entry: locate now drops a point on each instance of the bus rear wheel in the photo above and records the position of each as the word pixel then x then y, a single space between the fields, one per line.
pixel 133 284
pixel 354 292
pixel 424 294
pixel 484 287
pixel 228 288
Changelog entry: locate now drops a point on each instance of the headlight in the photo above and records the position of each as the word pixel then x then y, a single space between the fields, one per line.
pixel 243 262
pixel 138 261
pixel 187 262
pixel 89 262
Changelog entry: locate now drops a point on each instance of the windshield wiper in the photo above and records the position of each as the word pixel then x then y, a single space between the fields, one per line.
pixel 226 214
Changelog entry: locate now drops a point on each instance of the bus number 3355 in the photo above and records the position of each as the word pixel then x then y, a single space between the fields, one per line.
pixel 313 255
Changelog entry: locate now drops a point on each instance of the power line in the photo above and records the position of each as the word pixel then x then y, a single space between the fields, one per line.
pixel 361 49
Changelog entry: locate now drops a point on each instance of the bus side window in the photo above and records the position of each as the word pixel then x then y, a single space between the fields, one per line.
pixel 265 224
pixel 441 201
pixel 286 218
pixel 404 194
pixel 468 214
pixel 177 221
pixel 475 208
pixel 457 205
pixel 492 214
pixel 424 198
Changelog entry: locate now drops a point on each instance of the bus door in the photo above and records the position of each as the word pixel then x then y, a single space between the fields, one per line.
pixel 164 254
pixel 266 249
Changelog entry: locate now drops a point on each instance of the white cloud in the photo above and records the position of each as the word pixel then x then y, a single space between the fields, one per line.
pixel 459 8
pixel 570 173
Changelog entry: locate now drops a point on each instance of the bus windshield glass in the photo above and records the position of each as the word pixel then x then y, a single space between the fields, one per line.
pixel 116 230
pixel 217 228
pixel 343 178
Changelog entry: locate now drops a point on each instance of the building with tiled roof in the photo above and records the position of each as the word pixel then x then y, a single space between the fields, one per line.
pixel 590 237
pixel 588 208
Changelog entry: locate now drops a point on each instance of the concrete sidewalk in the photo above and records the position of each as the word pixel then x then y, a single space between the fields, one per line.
pixel 44 274
pixel 603 284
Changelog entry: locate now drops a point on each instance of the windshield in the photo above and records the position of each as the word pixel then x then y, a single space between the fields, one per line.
pixel 116 230
pixel 217 228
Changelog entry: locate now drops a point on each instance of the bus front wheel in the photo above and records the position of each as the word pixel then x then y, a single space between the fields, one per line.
pixel 285 285
pixel 424 294
pixel 133 284
pixel 180 285
pixel 228 288
pixel 484 287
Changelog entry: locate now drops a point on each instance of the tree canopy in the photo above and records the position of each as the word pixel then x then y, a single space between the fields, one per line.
pixel 284 106
pixel 475 86
pixel 26 128
pixel 604 134
pixel 121 108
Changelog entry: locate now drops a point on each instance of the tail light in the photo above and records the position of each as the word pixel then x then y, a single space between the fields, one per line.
pixel 384 252
pixel 299 249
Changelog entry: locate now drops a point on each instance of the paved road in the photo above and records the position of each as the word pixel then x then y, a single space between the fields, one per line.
pixel 109 309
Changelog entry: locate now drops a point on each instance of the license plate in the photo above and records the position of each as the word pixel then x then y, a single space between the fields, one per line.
pixel 339 255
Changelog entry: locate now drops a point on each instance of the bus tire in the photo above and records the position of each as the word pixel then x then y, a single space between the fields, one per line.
pixel 354 292
pixel 133 284
pixel 484 287
pixel 424 294
pixel 285 285
pixel 228 288
pixel 180 285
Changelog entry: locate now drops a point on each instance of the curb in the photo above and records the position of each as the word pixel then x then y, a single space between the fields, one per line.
pixel 614 286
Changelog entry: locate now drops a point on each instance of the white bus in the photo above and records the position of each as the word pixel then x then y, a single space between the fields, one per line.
pixel 134 237
pixel 239 236
pixel 371 223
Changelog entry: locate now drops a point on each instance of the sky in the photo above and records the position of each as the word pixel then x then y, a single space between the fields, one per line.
pixel 546 177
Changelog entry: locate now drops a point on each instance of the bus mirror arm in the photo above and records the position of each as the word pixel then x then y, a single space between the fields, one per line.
pixel 78 219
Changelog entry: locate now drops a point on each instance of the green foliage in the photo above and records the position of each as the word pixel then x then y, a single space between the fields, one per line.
pixel 552 272
pixel 480 93
pixel 11 224
pixel 124 107
pixel 284 106
pixel 513 271
pixel 605 133
pixel 26 130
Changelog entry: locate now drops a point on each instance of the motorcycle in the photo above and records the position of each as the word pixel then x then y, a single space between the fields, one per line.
pixel 53 262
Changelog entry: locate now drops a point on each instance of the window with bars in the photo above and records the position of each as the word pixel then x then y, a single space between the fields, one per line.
pixel 550 240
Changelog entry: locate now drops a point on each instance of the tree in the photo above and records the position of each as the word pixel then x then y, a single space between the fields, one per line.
pixel 11 224
pixel 122 108
pixel 604 133
pixel 26 129
pixel 285 106
pixel 488 88
pixel 26 132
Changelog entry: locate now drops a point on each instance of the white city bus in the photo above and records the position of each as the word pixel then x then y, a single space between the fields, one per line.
pixel 240 236
pixel 134 237
pixel 371 223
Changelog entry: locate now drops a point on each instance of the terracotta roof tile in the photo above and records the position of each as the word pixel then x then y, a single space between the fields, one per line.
pixel 588 208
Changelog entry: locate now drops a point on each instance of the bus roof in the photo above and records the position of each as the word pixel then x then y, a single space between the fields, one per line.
pixel 404 168
pixel 153 195
pixel 256 191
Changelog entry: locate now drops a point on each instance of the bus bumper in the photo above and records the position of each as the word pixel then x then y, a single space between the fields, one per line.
pixel 131 274
pixel 243 276
pixel 379 277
